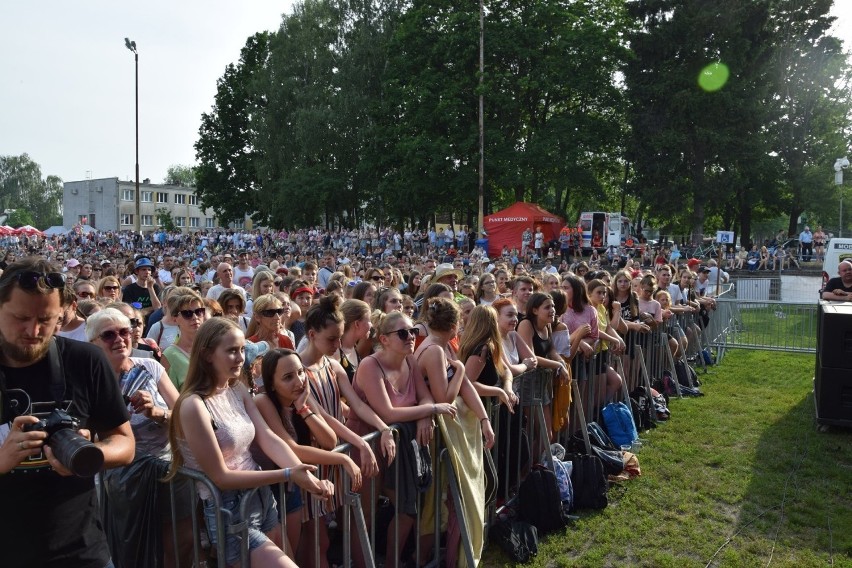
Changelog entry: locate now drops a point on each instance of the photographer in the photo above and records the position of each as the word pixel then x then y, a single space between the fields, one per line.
pixel 51 516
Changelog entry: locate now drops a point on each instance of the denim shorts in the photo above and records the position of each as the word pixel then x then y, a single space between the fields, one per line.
pixel 262 518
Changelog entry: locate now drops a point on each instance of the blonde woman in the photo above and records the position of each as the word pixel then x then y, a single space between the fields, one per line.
pixel 266 322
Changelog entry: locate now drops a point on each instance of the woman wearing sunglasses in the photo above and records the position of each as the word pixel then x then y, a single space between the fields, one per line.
pixel 149 395
pixel 109 288
pixel 391 384
pixel 141 347
pixel 188 311
pixel 266 323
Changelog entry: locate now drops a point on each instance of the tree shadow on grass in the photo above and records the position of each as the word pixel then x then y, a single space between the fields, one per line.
pixel 798 503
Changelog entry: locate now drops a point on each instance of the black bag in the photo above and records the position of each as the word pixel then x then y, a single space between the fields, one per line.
pixel 640 402
pixel 684 372
pixel 605 449
pixel 589 482
pixel 518 539
pixel 539 500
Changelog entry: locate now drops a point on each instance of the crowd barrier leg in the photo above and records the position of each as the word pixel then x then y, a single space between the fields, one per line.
pixel 674 373
pixel 646 380
pixel 581 417
pixel 455 494
pixel 625 394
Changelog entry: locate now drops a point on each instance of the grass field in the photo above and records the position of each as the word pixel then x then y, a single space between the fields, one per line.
pixel 740 477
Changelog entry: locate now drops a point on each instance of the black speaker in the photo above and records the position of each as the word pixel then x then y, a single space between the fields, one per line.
pixel 834 335
pixel 833 396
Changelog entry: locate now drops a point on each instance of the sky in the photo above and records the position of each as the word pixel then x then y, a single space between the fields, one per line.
pixel 67 80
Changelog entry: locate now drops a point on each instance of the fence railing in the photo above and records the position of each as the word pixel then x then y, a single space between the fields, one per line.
pixel 522 439
pixel 765 324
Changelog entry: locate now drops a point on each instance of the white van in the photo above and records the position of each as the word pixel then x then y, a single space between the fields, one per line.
pixel 836 251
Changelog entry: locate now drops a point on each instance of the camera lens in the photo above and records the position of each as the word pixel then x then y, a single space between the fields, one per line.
pixel 76 453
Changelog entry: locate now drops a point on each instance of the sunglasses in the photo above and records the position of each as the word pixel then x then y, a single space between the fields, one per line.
pixel 29 280
pixel 111 335
pixel 272 313
pixel 197 312
pixel 404 334
pixel 86 294
pixel 135 322
pixel 377 278
pixel 111 287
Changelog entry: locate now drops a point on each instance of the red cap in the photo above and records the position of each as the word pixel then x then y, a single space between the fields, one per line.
pixel 692 262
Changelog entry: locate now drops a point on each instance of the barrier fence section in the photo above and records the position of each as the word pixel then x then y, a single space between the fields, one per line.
pixel 766 324
pixel 522 438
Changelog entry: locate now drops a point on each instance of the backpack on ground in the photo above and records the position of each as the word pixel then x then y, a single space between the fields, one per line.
pixel 539 501
pixel 641 405
pixel 588 481
pixel 685 372
pixel 619 424
pixel 518 539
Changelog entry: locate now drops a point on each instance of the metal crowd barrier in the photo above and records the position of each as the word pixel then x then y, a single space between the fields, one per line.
pixel 766 324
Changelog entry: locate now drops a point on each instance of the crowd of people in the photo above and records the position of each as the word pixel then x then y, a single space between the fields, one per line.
pixel 249 357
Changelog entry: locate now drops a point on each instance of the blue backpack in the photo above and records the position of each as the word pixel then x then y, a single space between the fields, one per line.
pixel 619 424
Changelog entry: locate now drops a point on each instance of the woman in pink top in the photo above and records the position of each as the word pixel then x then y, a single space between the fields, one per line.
pixel 391 384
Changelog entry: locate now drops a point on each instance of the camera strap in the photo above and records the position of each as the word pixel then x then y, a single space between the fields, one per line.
pixel 57 385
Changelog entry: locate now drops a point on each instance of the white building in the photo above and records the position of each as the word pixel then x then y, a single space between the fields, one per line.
pixel 108 204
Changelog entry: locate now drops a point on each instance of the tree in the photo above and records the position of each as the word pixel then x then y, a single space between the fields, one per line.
pixel 226 175
pixel 178 174
pixel 19 218
pixel 165 219
pixel 22 187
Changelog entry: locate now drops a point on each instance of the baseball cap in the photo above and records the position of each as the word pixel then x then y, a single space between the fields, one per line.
pixel 143 262
pixel 72 262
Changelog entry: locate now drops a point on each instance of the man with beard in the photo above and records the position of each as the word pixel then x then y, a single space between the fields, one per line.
pixel 51 517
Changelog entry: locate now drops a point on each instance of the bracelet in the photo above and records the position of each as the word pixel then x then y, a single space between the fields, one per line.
pixel 481 420
pixel 286 475
pixel 387 430
pixel 305 418
pixel 166 415
pixel 434 409
pixel 302 410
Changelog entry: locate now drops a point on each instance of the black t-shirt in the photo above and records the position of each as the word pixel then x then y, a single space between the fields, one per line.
pixel 49 520
pixel 836 283
pixel 488 376
pixel 135 293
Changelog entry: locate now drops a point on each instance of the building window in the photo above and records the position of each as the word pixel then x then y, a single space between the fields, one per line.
pixel 180 221
pixel 128 195
pixel 210 223
pixel 148 220
pixel 127 219
pixel 193 199
pixel 239 224
pixel 180 199
pixel 146 197
pixel 162 197
pixel 193 222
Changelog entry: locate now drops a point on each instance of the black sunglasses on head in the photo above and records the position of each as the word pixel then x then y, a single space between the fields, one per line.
pixel 29 280
pixel 272 312
pixel 404 334
pixel 188 314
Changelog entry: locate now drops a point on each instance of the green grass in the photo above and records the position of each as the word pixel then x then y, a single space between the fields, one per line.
pixel 778 326
pixel 741 473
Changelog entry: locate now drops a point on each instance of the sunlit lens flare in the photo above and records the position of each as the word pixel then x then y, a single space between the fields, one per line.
pixel 713 77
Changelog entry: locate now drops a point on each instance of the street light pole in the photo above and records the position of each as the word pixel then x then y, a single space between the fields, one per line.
pixel 839 165
pixel 137 218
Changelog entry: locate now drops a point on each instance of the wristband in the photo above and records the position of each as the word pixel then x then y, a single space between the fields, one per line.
pixel 387 430
pixel 303 410
pixel 305 418
pixel 481 420
pixel 286 475
pixel 434 409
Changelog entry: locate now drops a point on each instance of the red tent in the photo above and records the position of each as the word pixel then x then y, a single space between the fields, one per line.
pixel 506 227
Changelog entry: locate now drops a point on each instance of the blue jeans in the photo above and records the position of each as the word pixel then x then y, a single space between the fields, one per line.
pixel 262 518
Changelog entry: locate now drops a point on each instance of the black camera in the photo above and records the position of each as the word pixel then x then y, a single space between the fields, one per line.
pixel 79 455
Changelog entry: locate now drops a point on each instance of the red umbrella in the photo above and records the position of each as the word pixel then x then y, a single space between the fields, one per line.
pixel 28 230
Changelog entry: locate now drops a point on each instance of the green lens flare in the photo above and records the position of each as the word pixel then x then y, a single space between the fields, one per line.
pixel 713 77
